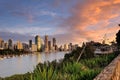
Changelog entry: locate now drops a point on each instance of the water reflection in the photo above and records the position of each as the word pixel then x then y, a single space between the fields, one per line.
pixel 26 63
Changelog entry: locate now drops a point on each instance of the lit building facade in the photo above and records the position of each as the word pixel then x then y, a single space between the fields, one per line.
pixel 38 42
pixel 34 48
pixel 5 45
pixel 1 44
pixel 19 45
pixel 65 47
pixel 46 43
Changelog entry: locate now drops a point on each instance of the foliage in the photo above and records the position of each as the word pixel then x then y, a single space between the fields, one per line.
pixel 85 69
pixel 73 55
pixel 88 53
pixel 45 72
pixel 98 62
pixel 68 71
pixel 18 77
pixel 118 38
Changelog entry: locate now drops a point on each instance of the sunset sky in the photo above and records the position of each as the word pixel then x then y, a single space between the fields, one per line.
pixel 73 21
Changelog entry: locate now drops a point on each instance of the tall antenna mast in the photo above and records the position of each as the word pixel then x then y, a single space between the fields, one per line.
pixel 104 39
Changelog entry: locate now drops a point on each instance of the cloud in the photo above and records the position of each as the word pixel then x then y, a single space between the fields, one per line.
pixel 31 30
pixel 15 36
pixel 79 20
pixel 17 9
pixel 30 15
pixel 48 13
pixel 26 11
pixel 90 20
pixel 24 14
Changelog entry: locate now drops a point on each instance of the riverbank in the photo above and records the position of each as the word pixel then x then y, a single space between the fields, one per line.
pixel 26 62
pixel 85 69
pixel 12 53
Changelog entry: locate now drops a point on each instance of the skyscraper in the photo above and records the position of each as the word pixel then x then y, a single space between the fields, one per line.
pixel 38 42
pixel 65 47
pixel 54 42
pixel 30 43
pixel 34 48
pixel 19 45
pixel 49 45
pixel 25 46
pixel 1 43
pixel 46 43
pixel 70 46
pixel 5 45
pixel 10 46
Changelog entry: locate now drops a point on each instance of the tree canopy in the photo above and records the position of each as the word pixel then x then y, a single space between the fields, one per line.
pixel 118 38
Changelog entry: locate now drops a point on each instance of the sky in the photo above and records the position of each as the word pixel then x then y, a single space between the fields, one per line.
pixel 75 21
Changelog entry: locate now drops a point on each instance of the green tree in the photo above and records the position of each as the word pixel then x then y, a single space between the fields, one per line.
pixel 89 52
pixel 118 39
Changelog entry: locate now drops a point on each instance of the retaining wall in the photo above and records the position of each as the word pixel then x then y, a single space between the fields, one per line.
pixel 111 72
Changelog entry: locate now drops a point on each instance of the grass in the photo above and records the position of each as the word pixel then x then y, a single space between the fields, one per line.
pixel 101 61
pixel 44 73
pixel 86 69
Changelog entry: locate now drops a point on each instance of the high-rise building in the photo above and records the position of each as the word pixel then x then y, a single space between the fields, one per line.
pixel 30 43
pixel 56 47
pixel 46 43
pixel 15 46
pixel 1 44
pixel 34 48
pixel 38 42
pixel 25 46
pixel 70 46
pixel 65 47
pixel 19 45
pixel 5 45
pixel 49 45
pixel 61 48
pixel 10 46
pixel 54 42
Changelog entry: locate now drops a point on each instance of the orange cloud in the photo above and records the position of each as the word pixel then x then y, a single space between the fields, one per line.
pixel 90 20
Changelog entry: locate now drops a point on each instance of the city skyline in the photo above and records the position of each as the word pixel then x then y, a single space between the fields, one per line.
pixel 68 21
pixel 37 45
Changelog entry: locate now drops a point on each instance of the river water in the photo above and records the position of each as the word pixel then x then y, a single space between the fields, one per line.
pixel 26 63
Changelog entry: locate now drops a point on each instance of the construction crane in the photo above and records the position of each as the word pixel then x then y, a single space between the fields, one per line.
pixel 105 39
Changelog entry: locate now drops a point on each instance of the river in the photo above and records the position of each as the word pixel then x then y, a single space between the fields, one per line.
pixel 26 63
